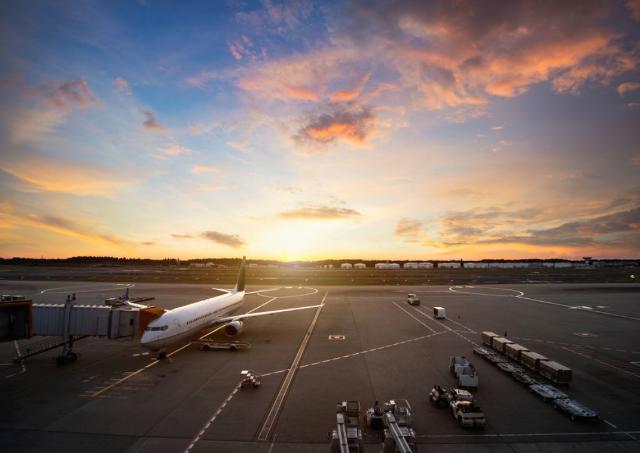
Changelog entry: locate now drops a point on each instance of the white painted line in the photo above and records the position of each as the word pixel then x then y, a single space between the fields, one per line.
pixel 470 330
pixel 195 440
pixel 610 424
pixel 446 327
pixel 420 321
pixel 181 348
pixel 601 362
pixel 366 351
pixel 272 416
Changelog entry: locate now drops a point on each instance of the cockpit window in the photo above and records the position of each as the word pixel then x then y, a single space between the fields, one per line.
pixel 155 328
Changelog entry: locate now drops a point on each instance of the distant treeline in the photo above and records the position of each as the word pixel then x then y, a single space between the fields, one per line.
pixel 121 261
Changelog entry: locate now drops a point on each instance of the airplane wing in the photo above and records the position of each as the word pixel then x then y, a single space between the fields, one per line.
pixel 262 291
pixel 264 313
pixel 223 290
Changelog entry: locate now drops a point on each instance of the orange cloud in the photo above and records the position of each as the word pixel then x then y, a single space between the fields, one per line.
pixel 634 9
pixel 174 151
pixel 626 87
pixel 350 94
pixel 350 125
pixel 17 219
pixel 300 93
pixel 44 174
pixel 200 169
pixel 320 212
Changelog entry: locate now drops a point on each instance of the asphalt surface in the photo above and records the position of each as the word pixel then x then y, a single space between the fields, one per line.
pixel 389 349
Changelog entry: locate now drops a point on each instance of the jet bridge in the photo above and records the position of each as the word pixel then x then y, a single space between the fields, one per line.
pixel 62 324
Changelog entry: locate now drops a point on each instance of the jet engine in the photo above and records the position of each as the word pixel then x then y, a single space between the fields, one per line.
pixel 233 328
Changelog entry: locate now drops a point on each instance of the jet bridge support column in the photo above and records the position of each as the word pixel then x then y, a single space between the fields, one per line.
pixel 67 356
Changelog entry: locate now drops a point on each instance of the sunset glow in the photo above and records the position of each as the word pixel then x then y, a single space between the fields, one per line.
pixel 309 130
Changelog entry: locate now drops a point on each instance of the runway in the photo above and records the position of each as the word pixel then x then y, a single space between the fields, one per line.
pixel 367 344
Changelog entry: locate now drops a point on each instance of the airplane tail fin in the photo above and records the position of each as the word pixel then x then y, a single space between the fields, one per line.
pixel 240 283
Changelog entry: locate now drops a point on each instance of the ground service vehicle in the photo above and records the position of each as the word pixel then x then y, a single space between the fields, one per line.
pixel 467 414
pixel 439 396
pixel 412 299
pixel 575 409
pixel 482 352
pixel 439 313
pixel 547 392
pixel 398 434
pixel 374 417
pixel 523 378
pixel 464 372
pixel 347 437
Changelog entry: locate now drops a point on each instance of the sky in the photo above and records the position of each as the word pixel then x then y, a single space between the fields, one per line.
pixel 303 130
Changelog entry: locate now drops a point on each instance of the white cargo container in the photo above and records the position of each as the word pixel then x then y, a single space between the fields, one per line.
pixel 439 313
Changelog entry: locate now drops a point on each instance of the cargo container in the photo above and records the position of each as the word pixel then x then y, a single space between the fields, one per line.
pixel 439 313
pixel 498 343
pixel 555 372
pixel 532 359
pixel 513 351
pixel 487 336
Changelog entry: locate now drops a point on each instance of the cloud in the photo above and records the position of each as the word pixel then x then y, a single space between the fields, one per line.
pixel 230 240
pixel 122 86
pixel 42 174
pixel 30 125
pixel 578 233
pixel 174 151
pixel 497 128
pixel 352 93
pixel 68 94
pixel 320 212
pixel 151 122
pixel 181 236
pixel 300 77
pixel 276 18
pixel 147 243
pixel 409 230
pixel 635 160
pixel 461 54
pixel 634 9
pixel 353 126
pixel 70 228
pixel 626 87
pixel 200 169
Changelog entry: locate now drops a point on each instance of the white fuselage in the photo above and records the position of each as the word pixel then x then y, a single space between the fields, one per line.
pixel 185 322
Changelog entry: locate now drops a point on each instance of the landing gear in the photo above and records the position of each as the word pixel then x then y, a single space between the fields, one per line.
pixel 162 355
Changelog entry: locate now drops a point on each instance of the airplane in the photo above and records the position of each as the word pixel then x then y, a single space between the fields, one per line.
pixel 182 323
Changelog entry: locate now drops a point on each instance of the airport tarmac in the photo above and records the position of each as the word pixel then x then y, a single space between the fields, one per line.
pixel 366 344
